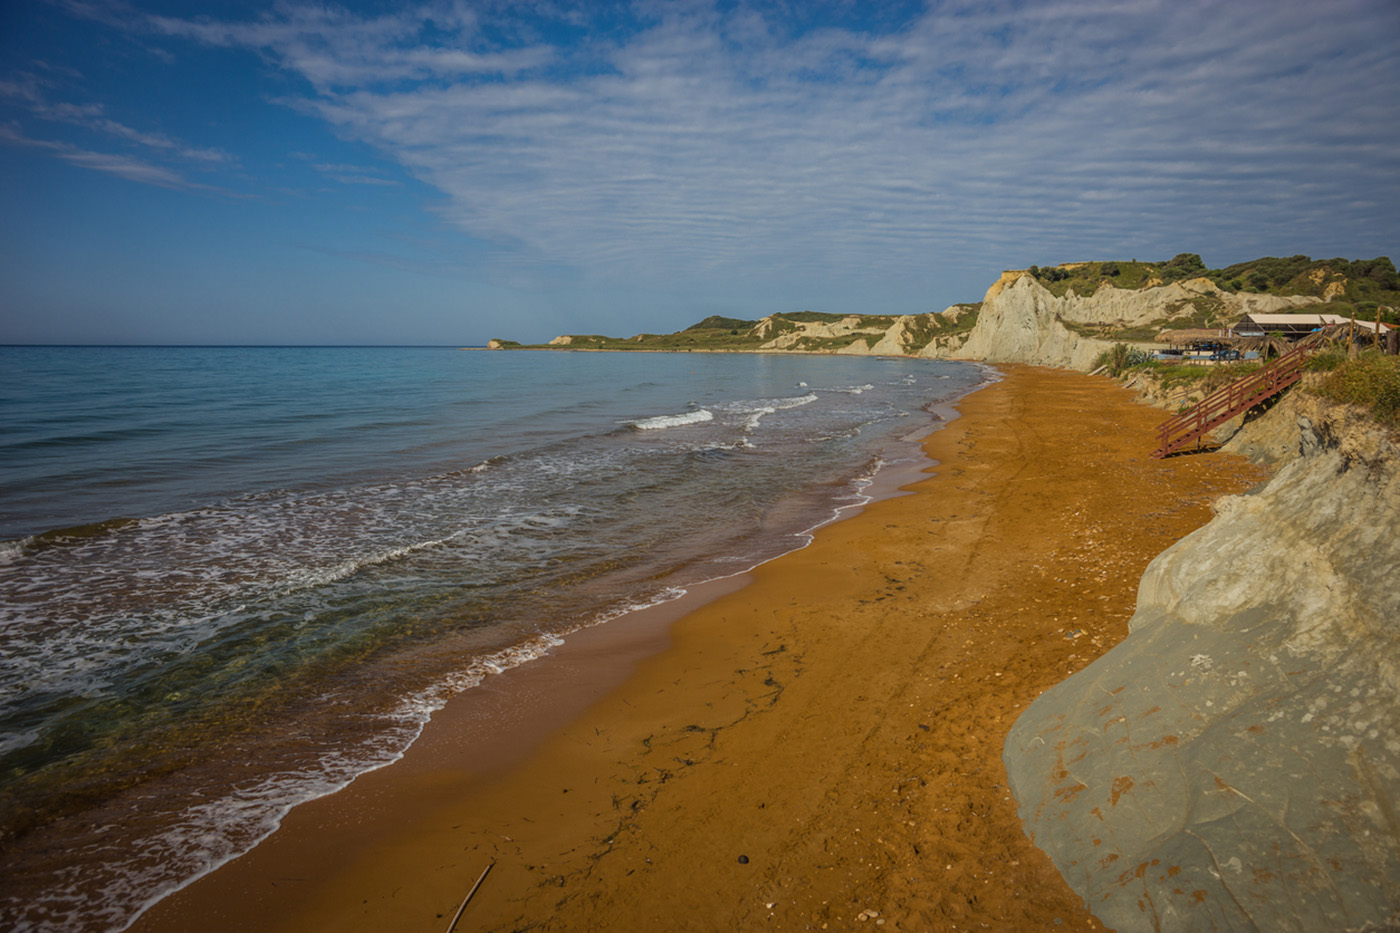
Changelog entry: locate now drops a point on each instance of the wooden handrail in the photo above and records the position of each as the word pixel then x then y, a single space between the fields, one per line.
pixel 1230 400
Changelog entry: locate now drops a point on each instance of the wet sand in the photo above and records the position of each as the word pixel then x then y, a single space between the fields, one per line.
pixel 815 742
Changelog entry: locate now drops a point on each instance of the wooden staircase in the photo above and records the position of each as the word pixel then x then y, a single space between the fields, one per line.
pixel 1228 401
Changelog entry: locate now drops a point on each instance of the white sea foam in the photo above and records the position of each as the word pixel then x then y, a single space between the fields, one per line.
pixel 755 411
pixel 11 551
pixel 346 569
pixel 990 374
pixel 661 422
pixel 17 740
pixel 755 416
pixel 797 402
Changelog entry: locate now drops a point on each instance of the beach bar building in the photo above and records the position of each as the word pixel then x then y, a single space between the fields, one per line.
pixel 1294 326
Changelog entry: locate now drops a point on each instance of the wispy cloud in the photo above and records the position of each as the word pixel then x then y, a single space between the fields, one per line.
pixel 685 141
pixel 355 175
pixel 333 48
pixel 1058 127
pixel 121 166
pixel 32 94
pixel 93 117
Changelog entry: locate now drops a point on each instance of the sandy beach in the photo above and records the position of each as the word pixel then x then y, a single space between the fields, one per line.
pixel 816 746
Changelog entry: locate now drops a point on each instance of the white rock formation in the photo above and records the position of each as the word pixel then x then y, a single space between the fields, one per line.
pixel 1234 764
pixel 849 326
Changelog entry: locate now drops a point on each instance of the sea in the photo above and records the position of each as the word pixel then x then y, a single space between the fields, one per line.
pixel 232 579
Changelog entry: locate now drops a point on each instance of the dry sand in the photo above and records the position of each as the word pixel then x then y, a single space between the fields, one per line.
pixel 821 744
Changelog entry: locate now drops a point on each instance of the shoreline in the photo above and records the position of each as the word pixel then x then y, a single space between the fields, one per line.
pixel 550 690
pixel 429 823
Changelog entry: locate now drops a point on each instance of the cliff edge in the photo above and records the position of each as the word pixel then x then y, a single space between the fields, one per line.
pixel 1234 764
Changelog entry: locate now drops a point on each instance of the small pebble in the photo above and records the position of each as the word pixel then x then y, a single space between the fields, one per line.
pixel 743 860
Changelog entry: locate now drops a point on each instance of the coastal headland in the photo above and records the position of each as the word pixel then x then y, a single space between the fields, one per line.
pixel 818 748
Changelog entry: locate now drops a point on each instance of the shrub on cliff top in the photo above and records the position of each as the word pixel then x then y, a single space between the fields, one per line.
pixel 719 322
pixel 1182 266
pixel 1324 361
pixel 1370 380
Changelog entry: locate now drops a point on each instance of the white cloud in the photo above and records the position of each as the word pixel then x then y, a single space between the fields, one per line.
pixel 112 164
pixel 28 91
pixel 690 143
pixel 954 136
pixel 355 175
pixel 333 48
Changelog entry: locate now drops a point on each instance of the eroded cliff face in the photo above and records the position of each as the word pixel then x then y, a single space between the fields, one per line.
pixel 1234 764
pixel 1023 322
pixel 847 327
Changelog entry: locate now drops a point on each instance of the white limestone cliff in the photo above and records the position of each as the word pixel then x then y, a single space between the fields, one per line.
pixel 1234 764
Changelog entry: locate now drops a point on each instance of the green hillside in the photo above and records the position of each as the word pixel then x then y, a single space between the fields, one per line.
pixel 1356 285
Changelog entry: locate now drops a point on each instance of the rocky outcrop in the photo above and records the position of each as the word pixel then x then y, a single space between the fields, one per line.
pixel 825 331
pixel 903 338
pixel 1234 764
pixel 1022 322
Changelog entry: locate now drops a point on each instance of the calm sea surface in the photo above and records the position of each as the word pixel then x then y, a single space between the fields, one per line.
pixel 232 579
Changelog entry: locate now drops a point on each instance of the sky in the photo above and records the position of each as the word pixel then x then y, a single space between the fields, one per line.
pixel 443 173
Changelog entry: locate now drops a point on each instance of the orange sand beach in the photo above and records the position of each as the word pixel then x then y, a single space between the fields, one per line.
pixel 817 746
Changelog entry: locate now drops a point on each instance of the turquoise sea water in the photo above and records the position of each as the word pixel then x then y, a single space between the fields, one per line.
pixel 231 579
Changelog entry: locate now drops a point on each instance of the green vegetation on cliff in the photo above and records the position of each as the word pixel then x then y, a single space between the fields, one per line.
pixel 1360 286
pixel 719 333
pixel 716 322
pixel 1371 380
pixel 696 337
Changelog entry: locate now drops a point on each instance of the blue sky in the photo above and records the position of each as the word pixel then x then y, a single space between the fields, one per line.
pixel 309 172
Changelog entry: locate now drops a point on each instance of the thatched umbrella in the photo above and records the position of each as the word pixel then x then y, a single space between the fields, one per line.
pixel 1265 346
pixel 1338 335
pixel 1188 336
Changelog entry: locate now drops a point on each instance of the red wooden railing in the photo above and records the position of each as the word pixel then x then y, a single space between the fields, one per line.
pixel 1228 401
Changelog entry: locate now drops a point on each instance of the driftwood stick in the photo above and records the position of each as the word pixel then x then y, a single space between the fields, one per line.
pixel 466 900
